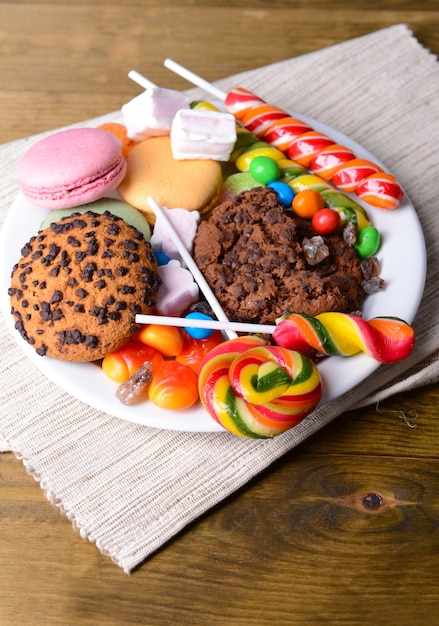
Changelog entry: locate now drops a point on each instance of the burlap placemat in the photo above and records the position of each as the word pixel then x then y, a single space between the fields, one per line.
pixel 130 488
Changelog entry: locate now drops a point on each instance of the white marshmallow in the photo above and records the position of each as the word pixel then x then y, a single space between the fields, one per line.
pixel 203 134
pixel 150 114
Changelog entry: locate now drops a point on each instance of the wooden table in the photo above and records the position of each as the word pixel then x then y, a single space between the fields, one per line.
pixel 345 529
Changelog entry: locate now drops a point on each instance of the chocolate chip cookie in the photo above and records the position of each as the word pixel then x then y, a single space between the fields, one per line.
pixel 79 284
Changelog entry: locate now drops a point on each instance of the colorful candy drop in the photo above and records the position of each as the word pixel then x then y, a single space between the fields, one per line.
pixel 325 221
pixel 307 202
pixel 199 333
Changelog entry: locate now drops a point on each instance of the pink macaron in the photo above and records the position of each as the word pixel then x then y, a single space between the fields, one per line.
pixel 71 168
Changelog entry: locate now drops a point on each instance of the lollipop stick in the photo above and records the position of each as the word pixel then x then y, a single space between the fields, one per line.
pixel 191 265
pixel 194 79
pixel 187 322
pixel 140 80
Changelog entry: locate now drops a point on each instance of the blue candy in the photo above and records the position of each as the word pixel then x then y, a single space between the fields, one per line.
pixel 284 192
pixel 198 333
pixel 161 258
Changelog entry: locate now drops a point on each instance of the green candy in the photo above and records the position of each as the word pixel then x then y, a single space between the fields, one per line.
pixel 368 242
pixel 264 169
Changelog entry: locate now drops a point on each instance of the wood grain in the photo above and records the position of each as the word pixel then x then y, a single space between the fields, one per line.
pixel 344 530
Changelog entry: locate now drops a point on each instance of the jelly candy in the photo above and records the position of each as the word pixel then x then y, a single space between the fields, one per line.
pixel 173 386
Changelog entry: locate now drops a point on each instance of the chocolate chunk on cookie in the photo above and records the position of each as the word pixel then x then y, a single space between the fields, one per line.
pixel 256 257
pixel 79 284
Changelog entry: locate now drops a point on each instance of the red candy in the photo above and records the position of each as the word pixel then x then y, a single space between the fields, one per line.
pixel 325 221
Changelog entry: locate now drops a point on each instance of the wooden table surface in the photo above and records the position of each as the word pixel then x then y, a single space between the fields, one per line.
pixel 291 548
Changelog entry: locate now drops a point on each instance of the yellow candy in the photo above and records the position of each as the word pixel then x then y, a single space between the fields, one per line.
pixel 203 105
pixel 261 148
pixel 308 181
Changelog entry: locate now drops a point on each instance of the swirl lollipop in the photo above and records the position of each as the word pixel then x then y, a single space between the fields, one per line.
pixel 257 390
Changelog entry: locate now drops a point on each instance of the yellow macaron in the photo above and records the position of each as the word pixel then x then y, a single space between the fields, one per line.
pixel 194 185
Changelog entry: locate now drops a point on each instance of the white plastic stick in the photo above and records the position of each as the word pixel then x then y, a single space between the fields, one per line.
pixel 141 80
pixel 194 79
pixel 191 265
pixel 191 322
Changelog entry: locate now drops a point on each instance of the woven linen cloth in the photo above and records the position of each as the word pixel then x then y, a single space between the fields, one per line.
pixel 130 488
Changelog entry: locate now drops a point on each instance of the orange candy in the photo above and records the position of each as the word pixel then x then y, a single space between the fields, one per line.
pixel 173 386
pixel 122 363
pixel 166 339
pixel 306 203
pixel 120 132
pixel 194 350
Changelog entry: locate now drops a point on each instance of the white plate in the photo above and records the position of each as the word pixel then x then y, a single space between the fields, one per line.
pixel 403 265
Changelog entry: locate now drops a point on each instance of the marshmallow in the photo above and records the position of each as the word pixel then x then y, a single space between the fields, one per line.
pixel 185 224
pixel 177 291
pixel 202 134
pixel 150 114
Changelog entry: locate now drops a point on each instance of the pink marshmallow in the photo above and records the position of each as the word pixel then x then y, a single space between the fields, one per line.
pixel 177 291
pixel 185 223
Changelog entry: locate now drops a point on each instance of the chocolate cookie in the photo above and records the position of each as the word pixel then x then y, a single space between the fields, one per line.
pixel 262 262
pixel 80 282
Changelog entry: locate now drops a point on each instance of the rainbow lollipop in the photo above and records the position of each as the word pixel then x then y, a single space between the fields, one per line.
pixel 257 390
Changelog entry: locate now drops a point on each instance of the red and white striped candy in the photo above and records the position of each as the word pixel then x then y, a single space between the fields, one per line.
pixel 239 100
pixel 283 132
pixel 304 148
pixel 350 174
pixel 259 119
pixel 381 190
pixel 328 160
